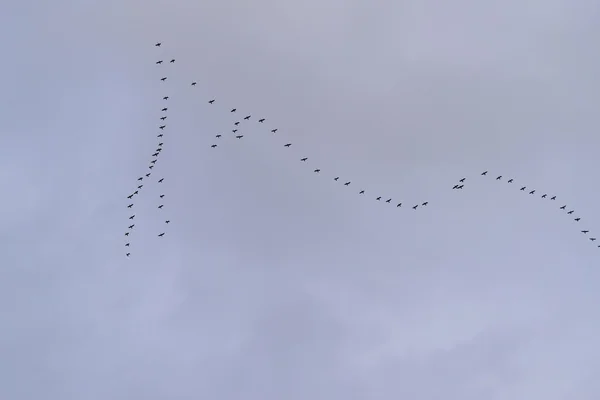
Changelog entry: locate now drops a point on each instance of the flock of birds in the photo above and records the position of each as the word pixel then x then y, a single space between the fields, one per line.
pixel 238 135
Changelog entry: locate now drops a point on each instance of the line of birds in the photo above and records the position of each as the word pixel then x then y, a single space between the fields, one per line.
pixel 155 156
pixel 458 186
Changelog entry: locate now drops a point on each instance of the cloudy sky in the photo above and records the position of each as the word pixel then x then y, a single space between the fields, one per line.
pixel 273 282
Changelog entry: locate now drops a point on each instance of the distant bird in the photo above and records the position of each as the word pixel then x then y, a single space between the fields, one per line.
pixel 136 192
pixel 213 146
pixel 132 217
pixel 234 131
pixel 193 83
pixel 167 221
pixel 126 233
pixel 484 173
pixel 161 135
pixel 161 206
pixel 553 198
pixel 361 192
pixel 247 117
pixel 347 183
pixel 317 170
pixel 128 254
pixel 211 101
pixel 585 232
pixel 131 226
pixel 163 79
pixel 510 181
pixel 155 155
pixel 261 120
pixel 274 130
pixel 129 206
pixel 571 212
pixel 287 145
pixel 233 109
pixel 388 200
pixel 158 44
pixel 462 180
pixel 130 196
pixel 163 118
pixel 592 239
pixel 140 178
pixel 150 167
pixel 523 188
pixel 162 127
pixel 161 234
pixel 544 196
pixel 461 186
pixel 160 180
pixel 455 187
pixel 172 61
pixel 378 199
pixel 164 109
pixel 237 123
pixel 563 207
pixel 532 192
pixel 577 219
pixel 304 159
pixel 159 62
pixel 153 162
pixel 126 244
pixel 415 207
pixel 498 178
pixel 160 144
pixel 166 98
pixel 218 136
pixel 162 195
pixel 424 204
pixel 141 186
pixel 239 136
pixel 399 205
pixel 336 178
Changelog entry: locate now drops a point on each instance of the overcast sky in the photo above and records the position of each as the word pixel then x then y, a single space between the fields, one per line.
pixel 273 282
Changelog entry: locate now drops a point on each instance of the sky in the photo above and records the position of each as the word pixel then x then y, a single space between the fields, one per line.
pixel 274 282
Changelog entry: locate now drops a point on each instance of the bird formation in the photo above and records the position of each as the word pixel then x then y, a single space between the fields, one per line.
pixel 389 200
pixel 148 175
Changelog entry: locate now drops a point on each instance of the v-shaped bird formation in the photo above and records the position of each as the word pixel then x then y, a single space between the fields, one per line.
pixel 148 176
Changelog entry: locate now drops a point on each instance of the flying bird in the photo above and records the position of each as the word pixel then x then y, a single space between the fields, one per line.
pixel 126 233
pixel 129 206
pixel 141 186
pixel 163 79
pixel 150 167
pixel 532 192
pixel 233 109
pixel 158 44
pixel 585 232
pixel 153 162
pixel 160 135
pixel 388 200
pixel 132 217
pixel 163 118
pixel 347 183
pixel 544 196
pixel 274 130
pixel 510 181
pixel 161 206
pixel 164 109
pixel 424 204
pixel 571 212
pixel 161 234
pixel 399 205
pixel 140 178
pixel 162 127
pixel 304 159
pixel 166 98
pixel 136 192
pixel 128 254
pixel 484 173
pixel 592 239
pixel 218 136
pixel 239 136
pixel 211 101
pixel 193 83
pixel 160 144
pixel 462 180
pixel 287 145
pixel 159 62
pixel 237 123
pixel 553 198
pixel 160 180
pixel 131 226
pixel 577 219
pixel 415 207
pixel 126 244
pixel 378 199
pixel 461 186
pixel 247 117
pixel 213 146
pixel 261 120
pixel 234 131
pixel 155 155
pixel 523 188
pixel 455 187
pixel 317 170
pixel 361 192
pixel 162 195
pixel 167 221
pixel 498 178
pixel 130 196
pixel 336 178
pixel 563 207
